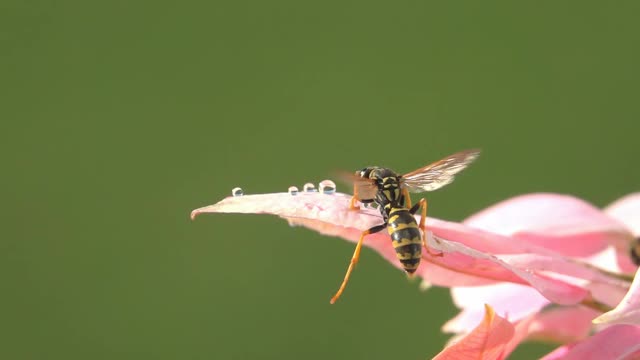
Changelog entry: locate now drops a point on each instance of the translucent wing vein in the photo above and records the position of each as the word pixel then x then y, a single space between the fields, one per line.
pixel 440 173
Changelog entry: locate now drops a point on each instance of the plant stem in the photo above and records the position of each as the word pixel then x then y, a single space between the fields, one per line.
pixel 596 305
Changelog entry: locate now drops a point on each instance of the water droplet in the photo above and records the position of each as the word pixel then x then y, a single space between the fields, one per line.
pixel 237 192
pixel 327 187
pixel 309 187
pixel 293 190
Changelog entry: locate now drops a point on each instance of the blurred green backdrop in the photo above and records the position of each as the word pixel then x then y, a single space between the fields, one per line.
pixel 120 117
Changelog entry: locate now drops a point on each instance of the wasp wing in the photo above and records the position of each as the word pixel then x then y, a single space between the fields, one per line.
pixel 440 173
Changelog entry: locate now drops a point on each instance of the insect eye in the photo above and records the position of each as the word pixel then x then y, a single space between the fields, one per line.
pixel 363 173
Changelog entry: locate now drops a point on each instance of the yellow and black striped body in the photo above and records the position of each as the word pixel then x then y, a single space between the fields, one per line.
pixel 390 191
pixel 405 237
pixel 400 222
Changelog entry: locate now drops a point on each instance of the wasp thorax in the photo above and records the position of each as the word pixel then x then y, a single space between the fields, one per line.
pixel 389 189
pixel 386 181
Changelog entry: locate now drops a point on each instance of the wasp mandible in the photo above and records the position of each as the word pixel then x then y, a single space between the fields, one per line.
pixel 390 192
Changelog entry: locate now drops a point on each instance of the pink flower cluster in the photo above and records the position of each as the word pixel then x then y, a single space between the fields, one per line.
pixel 537 266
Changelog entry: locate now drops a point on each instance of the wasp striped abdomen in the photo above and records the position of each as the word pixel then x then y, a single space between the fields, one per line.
pixel 406 238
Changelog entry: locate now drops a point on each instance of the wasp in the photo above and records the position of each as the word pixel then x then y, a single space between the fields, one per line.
pixel 390 192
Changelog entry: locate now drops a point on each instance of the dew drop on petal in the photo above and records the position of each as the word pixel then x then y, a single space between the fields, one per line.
pixel 293 190
pixel 237 192
pixel 309 187
pixel 327 187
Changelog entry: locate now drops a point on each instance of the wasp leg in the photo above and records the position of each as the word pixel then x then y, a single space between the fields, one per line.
pixel 423 204
pixel 407 197
pixel 354 198
pixel 352 204
pixel 354 260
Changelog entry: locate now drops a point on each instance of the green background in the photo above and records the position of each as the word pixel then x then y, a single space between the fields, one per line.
pixel 120 117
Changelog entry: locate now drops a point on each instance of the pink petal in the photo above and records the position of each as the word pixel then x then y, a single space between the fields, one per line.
pixel 516 303
pixel 562 223
pixel 563 324
pixel 606 259
pixel 466 248
pixel 468 263
pixel 531 325
pixel 628 310
pixel 449 277
pixel 332 209
pixel 603 288
pixel 511 301
pixel 619 342
pixel 487 341
pixel 627 210
pixel 536 270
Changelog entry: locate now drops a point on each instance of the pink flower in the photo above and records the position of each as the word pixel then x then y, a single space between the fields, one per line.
pixel 540 217
pixel 562 223
pixel 473 256
pixel 495 337
pixel 627 211
pixel 518 302
pixel 519 256
pixel 618 342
